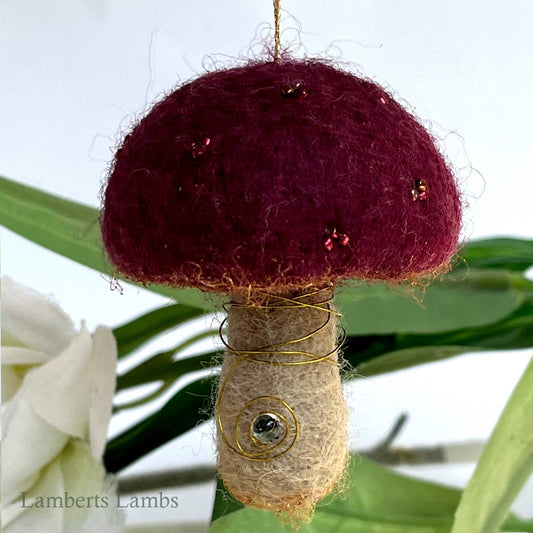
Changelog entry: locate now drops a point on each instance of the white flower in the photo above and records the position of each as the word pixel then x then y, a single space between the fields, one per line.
pixel 57 392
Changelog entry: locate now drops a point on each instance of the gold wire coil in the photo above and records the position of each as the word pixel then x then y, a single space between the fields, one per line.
pixel 263 355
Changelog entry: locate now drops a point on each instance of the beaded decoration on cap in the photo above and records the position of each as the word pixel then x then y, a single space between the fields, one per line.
pixel 420 190
pixel 334 237
pixel 294 91
pixel 198 148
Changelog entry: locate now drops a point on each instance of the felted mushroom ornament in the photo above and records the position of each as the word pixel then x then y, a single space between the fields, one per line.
pixel 271 183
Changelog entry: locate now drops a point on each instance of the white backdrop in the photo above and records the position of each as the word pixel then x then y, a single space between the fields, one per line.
pixel 74 72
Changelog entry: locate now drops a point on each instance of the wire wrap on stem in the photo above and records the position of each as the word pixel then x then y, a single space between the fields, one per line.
pixel 265 355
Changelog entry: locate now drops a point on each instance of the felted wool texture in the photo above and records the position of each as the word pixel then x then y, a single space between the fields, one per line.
pixel 253 208
pixel 292 483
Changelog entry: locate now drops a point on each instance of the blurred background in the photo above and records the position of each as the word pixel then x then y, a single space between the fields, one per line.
pixel 76 73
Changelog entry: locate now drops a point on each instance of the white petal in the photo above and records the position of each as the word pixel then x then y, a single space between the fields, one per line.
pixel 103 374
pixel 108 520
pixel 11 383
pixel 33 319
pixel 29 443
pixel 85 476
pixel 15 364
pixel 59 389
pixel 23 356
pixel 17 519
pixel 10 340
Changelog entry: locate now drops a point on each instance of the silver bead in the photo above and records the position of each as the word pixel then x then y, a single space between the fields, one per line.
pixel 268 428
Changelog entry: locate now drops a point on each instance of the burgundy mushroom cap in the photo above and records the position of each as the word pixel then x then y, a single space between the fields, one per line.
pixel 279 176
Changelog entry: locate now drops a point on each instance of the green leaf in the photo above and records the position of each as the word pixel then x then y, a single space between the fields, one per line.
pixel 165 366
pixel 134 334
pixel 502 253
pixel 178 415
pixel 69 229
pixel 225 503
pixel 504 466
pixel 378 501
pixel 377 354
pixel 149 372
pixel 401 359
pixel 465 301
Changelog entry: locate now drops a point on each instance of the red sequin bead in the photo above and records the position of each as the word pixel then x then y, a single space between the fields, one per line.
pixel 198 148
pixel 328 243
pixel 343 239
pixel 334 237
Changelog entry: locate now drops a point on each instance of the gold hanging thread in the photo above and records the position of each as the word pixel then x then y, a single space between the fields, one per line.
pixel 277 43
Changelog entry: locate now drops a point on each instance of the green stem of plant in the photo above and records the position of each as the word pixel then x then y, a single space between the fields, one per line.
pixel 173 478
pixel 505 465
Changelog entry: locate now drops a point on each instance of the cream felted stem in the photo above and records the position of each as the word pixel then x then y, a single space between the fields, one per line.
pixel 292 474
